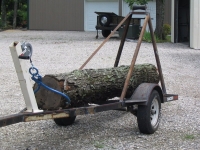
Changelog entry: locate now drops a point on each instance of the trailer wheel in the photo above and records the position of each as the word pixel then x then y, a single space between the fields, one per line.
pixel 65 121
pixel 148 116
pixel 106 33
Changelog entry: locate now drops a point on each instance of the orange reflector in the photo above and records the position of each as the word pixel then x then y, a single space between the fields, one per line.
pixel 175 97
pixel 172 97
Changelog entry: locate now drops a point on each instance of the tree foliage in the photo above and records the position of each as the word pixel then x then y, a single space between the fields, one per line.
pixel 138 2
pixel 13 13
pixel 3 13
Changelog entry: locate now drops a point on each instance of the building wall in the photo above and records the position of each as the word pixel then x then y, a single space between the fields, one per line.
pixel 62 15
pixel 167 18
pixel 56 15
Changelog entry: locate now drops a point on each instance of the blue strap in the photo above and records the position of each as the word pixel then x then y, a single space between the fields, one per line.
pixel 38 79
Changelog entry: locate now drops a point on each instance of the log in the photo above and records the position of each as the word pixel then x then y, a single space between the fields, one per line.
pixel 92 85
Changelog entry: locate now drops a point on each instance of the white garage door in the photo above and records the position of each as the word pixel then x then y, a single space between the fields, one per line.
pixel 151 7
pixel 90 18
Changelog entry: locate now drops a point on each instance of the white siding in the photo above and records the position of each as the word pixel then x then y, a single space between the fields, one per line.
pixel 172 22
pixel 195 24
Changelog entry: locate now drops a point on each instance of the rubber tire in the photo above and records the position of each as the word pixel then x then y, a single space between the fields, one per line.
pixel 144 115
pixel 108 20
pixel 106 33
pixel 65 121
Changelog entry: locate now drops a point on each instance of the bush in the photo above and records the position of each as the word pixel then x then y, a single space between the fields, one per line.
pixel 166 30
pixel 138 2
pixel 147 38
pixel 3 26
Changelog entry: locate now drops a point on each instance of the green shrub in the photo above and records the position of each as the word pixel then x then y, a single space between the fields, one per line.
pixel 166 30
pixel 138 2
pixel 147 38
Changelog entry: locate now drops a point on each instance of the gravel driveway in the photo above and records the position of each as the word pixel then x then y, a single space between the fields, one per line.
pixel 56 52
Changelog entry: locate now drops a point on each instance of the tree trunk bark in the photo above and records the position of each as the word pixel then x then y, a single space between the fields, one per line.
pixel 3 13
pixel 15 14
pixel 92 85
pixel 160 4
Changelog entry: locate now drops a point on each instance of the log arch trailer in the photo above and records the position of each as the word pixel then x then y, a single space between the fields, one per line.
pixel 145 102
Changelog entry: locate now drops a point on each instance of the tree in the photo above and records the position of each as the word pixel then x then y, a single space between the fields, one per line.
pixel 3 13
pixel 159 14
pixel 160 5
pixel 0 6
pixel 15 14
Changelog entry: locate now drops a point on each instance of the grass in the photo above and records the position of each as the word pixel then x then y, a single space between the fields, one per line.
pixel 102 145
pixel 99 145
pixel 147 38
pixel 189 137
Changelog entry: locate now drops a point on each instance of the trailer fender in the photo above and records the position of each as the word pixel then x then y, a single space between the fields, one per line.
pixel 143 92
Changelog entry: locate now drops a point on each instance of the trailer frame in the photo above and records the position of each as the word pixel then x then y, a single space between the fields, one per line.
pixel 141 96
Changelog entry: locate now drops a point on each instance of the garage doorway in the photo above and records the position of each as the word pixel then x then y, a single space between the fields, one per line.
pixel 182 21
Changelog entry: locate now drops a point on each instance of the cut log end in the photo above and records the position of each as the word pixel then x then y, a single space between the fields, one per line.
pixel 47 99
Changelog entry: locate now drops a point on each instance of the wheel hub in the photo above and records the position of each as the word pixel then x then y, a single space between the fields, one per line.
pixel 154 112
pixel 104 20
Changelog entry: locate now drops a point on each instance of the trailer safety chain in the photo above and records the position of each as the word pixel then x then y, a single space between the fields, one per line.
pixel 38 79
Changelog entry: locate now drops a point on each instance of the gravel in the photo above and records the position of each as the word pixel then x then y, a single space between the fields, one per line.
pixel 57 52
